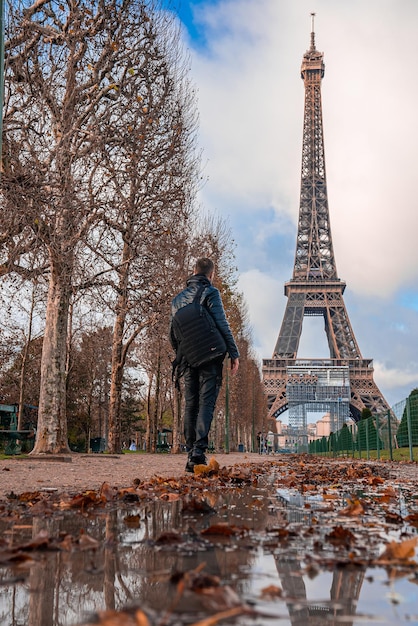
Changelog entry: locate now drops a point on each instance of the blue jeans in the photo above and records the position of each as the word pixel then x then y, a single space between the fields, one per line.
pixel 201 389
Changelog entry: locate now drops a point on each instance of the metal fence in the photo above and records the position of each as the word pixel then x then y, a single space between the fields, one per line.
pixel 393 435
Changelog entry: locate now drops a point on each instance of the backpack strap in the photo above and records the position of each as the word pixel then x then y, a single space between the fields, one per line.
pixel 199 294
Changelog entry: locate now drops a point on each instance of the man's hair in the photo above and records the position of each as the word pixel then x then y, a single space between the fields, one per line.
pixel 204 266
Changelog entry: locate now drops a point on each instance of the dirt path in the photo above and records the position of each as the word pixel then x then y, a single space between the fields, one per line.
pixel 78 472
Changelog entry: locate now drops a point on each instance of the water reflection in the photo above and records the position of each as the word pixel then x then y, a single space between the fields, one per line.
pixel 127 556
pixel 344 594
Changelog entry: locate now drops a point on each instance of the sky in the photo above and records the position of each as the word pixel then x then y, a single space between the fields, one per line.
pixel 245 58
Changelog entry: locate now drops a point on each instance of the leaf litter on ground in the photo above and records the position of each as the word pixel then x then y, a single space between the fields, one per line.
pixel 349 516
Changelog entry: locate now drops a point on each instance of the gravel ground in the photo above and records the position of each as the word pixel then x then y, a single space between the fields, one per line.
pixel 76 472
pixel 73 473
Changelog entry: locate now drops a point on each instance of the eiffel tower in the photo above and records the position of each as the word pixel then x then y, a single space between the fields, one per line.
pixel 315 288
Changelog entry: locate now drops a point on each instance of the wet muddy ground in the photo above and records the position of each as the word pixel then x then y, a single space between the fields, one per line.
pixel 294 541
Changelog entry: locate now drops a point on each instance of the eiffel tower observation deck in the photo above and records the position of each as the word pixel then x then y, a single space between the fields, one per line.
pixel 344 383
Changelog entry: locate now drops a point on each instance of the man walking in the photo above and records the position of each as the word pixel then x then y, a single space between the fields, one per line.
pixel 202 382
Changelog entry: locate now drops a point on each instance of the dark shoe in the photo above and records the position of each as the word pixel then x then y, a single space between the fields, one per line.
pixel 190 466
pixel 198 459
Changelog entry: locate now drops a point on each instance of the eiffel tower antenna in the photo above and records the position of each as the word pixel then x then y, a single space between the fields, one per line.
pixel 316 289
pixel 313 31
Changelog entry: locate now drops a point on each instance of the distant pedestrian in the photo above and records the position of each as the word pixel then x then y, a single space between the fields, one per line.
pixel 270 442
pixel 202 382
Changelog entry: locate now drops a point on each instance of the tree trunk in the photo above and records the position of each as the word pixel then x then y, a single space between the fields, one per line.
pixel 114 439
pixel 51 436
pixel 156 402
pixel 176 449
pixel 24 362
pixel 118 356
pixel 148 434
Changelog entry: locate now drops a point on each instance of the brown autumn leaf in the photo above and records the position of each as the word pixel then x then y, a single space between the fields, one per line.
pixel 169 537
pixel 141 618
pixel 412 518
pixel 127 490
pixel 375 480
pixel 42 507
pixel 86 542
pixel 282 533
pixel 82 500
pixel 257 503
pixel 16 557
pixel 169 496
pixel 390 492
pixel 400 552
pixel 29 496
pixel 393 518
pixel 121 618
pixel 340 535
pixel 211 468
pixel 40 542
pixel 331 496
pixel 353 509
pixel 107 492
pixel 66 544
pixel 272 591
pixel 132 521
pixel 306 487
pixel 239 474
pixel 197 505
pixel 224 529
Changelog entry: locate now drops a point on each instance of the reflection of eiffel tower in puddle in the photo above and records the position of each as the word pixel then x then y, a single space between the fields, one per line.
pixel 342 384
pixel 344 594
pixel 346 582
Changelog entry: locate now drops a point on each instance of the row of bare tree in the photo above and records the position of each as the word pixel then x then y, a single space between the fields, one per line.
pixel 99 223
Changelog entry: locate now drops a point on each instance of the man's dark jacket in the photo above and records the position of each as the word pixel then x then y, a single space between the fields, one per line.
pixel 211 299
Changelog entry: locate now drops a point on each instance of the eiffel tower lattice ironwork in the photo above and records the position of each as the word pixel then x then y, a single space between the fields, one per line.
pixel 315 288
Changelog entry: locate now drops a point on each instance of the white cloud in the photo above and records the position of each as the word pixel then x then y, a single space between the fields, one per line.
pixel 264 295
pixel 391 378
pixel 251 108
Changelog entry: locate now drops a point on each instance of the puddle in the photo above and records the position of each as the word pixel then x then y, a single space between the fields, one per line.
pixel 266 549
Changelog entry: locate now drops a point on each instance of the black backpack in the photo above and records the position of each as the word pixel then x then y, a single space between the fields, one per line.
pixel 199 339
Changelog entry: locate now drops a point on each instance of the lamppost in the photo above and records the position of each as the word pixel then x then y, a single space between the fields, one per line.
pixel 227 410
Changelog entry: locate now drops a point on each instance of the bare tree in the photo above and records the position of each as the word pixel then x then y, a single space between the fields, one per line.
pixel 84 129
pixel 151 165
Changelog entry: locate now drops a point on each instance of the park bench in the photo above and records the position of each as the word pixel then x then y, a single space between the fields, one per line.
pixel 13 436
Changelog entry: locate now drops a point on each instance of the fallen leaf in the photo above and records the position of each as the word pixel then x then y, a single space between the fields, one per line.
pixel 273 591
pixel 169 497
pixel 224 529
pixel 107 492
pixel 196 505
pixel 132 521
pixel 412 518
pixel 340 535
pixel 86 542
pixel 211 468
pixel 353 509
pixel 393 518
pixel 168 538
pixel 400 552
pixel 375 480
